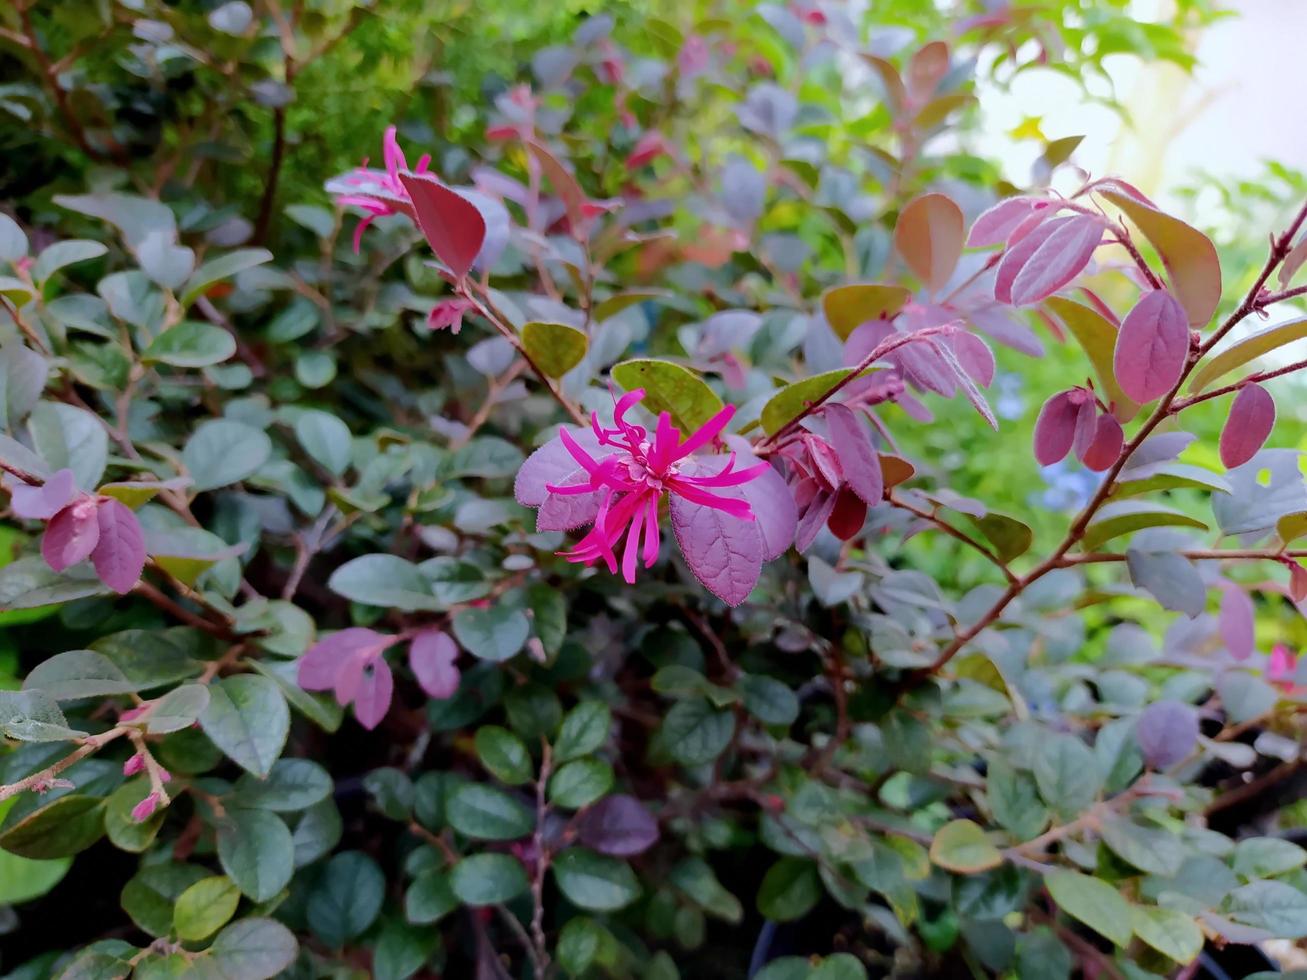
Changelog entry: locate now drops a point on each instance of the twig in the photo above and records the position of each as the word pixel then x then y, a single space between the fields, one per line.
pixel 89 746
pixel 538 945
pixel 949 529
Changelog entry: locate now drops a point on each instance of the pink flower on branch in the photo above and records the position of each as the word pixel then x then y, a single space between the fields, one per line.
pixel 727 518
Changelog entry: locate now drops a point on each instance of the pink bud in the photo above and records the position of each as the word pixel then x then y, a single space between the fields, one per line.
pixel 142 811
pixel 134 765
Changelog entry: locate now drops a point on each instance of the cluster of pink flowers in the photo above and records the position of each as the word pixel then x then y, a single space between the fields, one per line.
pixel 80 525
pixel 380 192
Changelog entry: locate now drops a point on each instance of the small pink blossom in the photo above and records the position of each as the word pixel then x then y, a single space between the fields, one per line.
pixel 1282 668
pixel 350 663
pixel 647 148
pixel 381 192
pixel 448 314
pixel 145 809
pixel 134 765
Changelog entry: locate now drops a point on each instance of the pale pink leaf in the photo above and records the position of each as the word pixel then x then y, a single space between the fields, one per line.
pixel 975 357
pixel 1105 449
pixel 119 556
pixel 564 511
pixel 1151 347
pixel 995 225
pixel 432 656
pixel 723 552
pixel 323 661
pixel 553 464
pixel 71 535
pixel 1059 257
pixel 858 457
pixel 1055 428
pixel 1236 621
pixel 452 224
pixel 812 518
pixel 960 375
pixel 375 689
pixel 1252 416
pixel 42 502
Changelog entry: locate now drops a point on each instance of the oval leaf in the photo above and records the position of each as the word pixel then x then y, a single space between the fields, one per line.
pixel 1151 347
pixel 929 236
pixel 1252 416
pixel 452 224
pixel 555 348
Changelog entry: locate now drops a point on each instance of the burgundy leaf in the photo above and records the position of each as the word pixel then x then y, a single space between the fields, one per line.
pixel 119 556
pixel 71 535
pixel 619 825
pixel 723 552
pixel 848 514
pixel 995 225
pixel 858 458
pixel 1167 732
pixel 1236 621
pixel 1151 346
pixel 432 656
pixel 1055 428
pixel 1046 259
pixel 451 223
pixel 1252 416
pixel 372 697
pixel 1105 449
pixel 1297 582
pixel 812 519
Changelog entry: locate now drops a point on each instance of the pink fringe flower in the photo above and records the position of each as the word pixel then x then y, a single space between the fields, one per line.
pixel 726 518
pixel 379 192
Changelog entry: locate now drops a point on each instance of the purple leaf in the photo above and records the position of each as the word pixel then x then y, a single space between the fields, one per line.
pixel 71 535
pixel 1151 346
pixel 1047 259
pixel 1086 423
pixel 451 223
pixel 619 825
pixel 975 357
pixel 552 463
pixel 432 655
pixel 119 556
pixel 848 515
pixel 564 511
pixel 42 502
pixel 1105 449
pixel 995 225
pixel 372 698
pixel 1252 416
pixel 1055 428
pixel 1236 621
pixel 812 519
pixel 723 552
pixel 770 500
pixel 858 457
pixel 323 661
pixel 1167 732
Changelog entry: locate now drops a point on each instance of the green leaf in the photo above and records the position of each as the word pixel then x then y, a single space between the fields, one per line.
pixel 317 832
pixel 1093 902
pixel 962 847
pixel 1066 773
pixel 1150 849
pixel 315 368
pixel 485 813
pixel 22 879
pixel 1168 931
pixel 488 879
pixel 321 709
pixel 696 878
pixel 695 733
pixel 401 951
pixel 585 730
pixel 788 403
pixel 1168 475
pixel 841 966
pixel 125 832
pixel 178 709
pixel 1265 857
pixel 594 882
pixel 1010 537
pixel 68 436
pixel 848 307
pixel 66 826
pixel 504 755
pixel 78 674
pixel 789 890
pixel 487 457
pixel 392 791
pixel 191 344
pixel 291 785
pixel 387 581
pixel 13 242
pixel 256 852
pixel 579 783
pixel 149 896
pixel 494 633
pixel 1278 908
pixel 1127 516
pixel 1096 336
pixel 430 898
pixel 1248 349
pixel 670 388
pixel 205 907
pixel 223 451
pixel 325 438
pixel 33 716
pixel 555 348
pixel 223 267
pixel 768 700
pixel 347 898
pixel 578 944
pixel 253 949
pixel 1014 800
pixel 61 254
pixel 1244 695
pixel 248 719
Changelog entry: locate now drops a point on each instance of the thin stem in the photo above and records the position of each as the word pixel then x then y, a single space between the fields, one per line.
pixel 89 746
pixel 538 945
pixel 1181 404
pixel 1270 298
pixel 949 529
